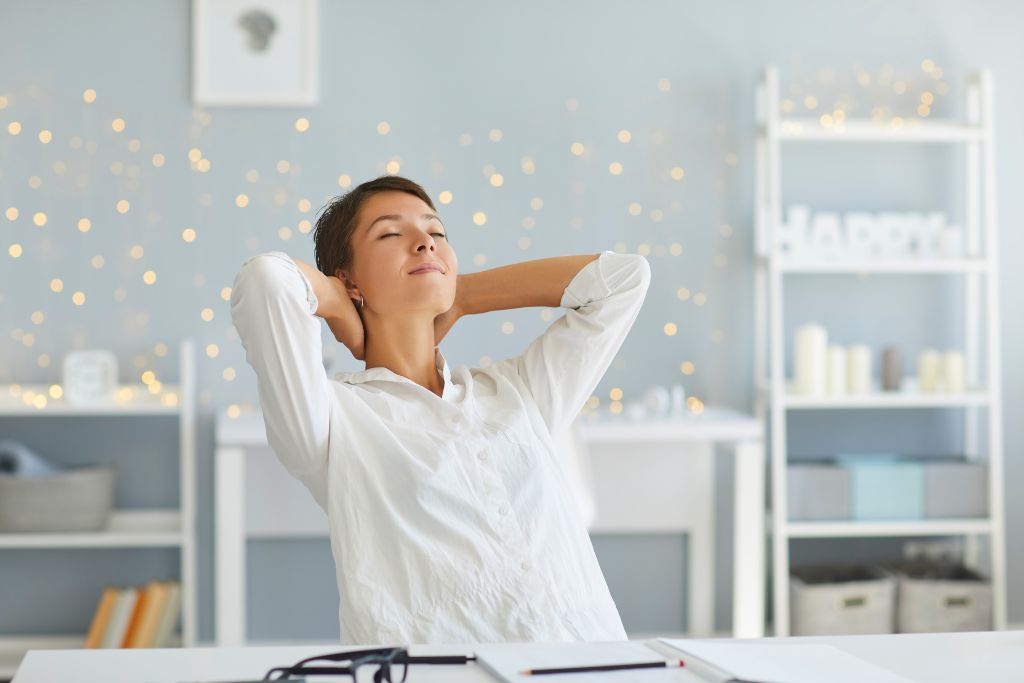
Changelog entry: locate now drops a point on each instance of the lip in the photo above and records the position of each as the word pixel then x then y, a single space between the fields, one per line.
pixel 426 268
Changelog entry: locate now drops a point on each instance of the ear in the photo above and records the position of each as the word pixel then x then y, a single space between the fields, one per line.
pixel 350 288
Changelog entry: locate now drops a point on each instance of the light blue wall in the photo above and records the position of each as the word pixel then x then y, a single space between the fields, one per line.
pixel 435 71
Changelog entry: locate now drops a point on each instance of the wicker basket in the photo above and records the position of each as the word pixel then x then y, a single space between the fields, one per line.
pixel 76 499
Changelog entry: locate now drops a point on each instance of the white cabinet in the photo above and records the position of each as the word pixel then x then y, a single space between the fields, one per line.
pixel 976 272
pixel 127 528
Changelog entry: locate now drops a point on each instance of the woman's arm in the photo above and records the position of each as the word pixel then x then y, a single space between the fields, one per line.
pixel 336 308
pixel 540 282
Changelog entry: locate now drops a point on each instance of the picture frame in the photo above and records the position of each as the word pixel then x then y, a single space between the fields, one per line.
pixel 248 53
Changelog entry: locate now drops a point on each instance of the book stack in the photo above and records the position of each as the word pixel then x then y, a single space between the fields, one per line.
pixel 136 616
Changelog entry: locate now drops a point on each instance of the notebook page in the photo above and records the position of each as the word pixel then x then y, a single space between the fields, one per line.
pixel 768 662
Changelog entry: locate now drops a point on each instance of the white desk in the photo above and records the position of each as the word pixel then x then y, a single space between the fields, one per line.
pixel 629 503
pixel 992 657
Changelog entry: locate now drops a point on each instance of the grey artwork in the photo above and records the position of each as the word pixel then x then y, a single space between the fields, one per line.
pixel 258 25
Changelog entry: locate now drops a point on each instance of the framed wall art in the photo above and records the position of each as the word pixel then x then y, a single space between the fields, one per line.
pixel 255 52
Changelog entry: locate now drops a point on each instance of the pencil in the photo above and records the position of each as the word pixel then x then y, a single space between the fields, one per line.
pixel 603 667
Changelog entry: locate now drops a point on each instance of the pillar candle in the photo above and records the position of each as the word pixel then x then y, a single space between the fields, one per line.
pixel 928 370
pixel 892 368
pixel 953 377
pixel 810 366
pixel 858 369
pixel 836 370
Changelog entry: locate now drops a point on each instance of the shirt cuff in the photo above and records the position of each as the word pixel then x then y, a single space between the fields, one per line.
pixel 589 283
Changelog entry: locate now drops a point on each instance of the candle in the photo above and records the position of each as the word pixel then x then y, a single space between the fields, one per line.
pixel 928 370
pixel 892 369
pixel 953 372
pixel 810 366
pixel 836 370
pixel 858 369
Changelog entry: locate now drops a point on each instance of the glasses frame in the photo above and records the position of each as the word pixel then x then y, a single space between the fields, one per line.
pixel 384 656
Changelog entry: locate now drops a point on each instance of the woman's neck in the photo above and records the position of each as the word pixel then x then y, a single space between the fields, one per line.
pixel 405 346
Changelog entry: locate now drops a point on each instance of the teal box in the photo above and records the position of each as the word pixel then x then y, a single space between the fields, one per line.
pixel 884 486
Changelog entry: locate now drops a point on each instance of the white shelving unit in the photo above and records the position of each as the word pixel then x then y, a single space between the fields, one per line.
pixel 978 272
pixel 127 528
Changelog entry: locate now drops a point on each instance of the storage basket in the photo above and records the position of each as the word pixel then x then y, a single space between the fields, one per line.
pixel 934 597
pixel 76 499
pixel 841 600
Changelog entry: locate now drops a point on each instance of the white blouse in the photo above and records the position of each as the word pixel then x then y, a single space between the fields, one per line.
pixel 451 517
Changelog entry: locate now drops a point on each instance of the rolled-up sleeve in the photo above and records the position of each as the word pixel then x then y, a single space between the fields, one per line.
pixel 564 365
pixel 272 307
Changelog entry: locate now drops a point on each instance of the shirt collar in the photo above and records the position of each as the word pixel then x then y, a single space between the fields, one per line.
pixel 388 375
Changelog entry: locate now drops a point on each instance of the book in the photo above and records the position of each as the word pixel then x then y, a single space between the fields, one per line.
pixel 169 618
pixel 145 630
pixel 136 616
pixel 101 617
pixel 121 614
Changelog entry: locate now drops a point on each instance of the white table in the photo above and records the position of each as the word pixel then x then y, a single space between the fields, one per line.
pixel 690 441
pixel 992 657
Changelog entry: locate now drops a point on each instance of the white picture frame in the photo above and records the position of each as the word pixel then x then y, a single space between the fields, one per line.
pixel 255 52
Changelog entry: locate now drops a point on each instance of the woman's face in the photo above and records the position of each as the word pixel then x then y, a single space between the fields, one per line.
pixel 396 232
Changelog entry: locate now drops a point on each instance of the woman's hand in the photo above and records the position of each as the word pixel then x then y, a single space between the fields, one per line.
pixel 334 306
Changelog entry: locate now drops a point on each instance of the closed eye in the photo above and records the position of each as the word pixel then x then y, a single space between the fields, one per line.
pixel 389 234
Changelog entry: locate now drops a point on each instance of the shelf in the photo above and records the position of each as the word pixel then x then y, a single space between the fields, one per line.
pixel 921 527
pixel 881 266
pixel 867 130
pixel 878 399
pixel 886 399
pixel 132 399
pixel 126 529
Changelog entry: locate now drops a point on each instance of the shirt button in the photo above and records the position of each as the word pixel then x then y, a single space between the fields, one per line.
pixel 526 565
pixel 482 455
pixel 503 509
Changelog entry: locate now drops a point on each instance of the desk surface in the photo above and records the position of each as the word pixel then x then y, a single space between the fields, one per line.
pixel 929 658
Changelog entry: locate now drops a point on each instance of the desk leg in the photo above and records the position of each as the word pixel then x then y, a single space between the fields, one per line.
pixel 230 547
pixel 701 547
pixel 748 591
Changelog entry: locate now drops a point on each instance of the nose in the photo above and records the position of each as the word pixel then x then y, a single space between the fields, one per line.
pixel 426 241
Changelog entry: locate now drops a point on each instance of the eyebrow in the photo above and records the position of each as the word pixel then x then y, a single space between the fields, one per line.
pixel 395 217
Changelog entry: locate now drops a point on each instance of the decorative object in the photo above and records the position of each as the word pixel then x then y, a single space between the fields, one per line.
pixel 678 400
pixel 892 368
pixel 836 370
pixel 18 460
pixel 658 401
pixel 810 370
pixel 858 369
pixel 953 380
pixel 255 54
pixel 90 377
pixel 865 235
pixel 825 238
pixel 928 370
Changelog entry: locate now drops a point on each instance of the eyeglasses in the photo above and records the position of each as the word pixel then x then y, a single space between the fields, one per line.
pixel 393 664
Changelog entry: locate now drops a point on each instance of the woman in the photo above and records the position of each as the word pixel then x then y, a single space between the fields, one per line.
pixel 450 514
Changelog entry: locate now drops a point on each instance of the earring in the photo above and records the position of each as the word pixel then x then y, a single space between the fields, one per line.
pixel 360 303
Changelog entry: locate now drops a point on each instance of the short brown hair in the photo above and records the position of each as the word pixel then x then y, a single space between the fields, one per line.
pixel 332 236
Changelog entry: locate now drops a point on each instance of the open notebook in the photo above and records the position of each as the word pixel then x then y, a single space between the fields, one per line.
pixel 713 661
